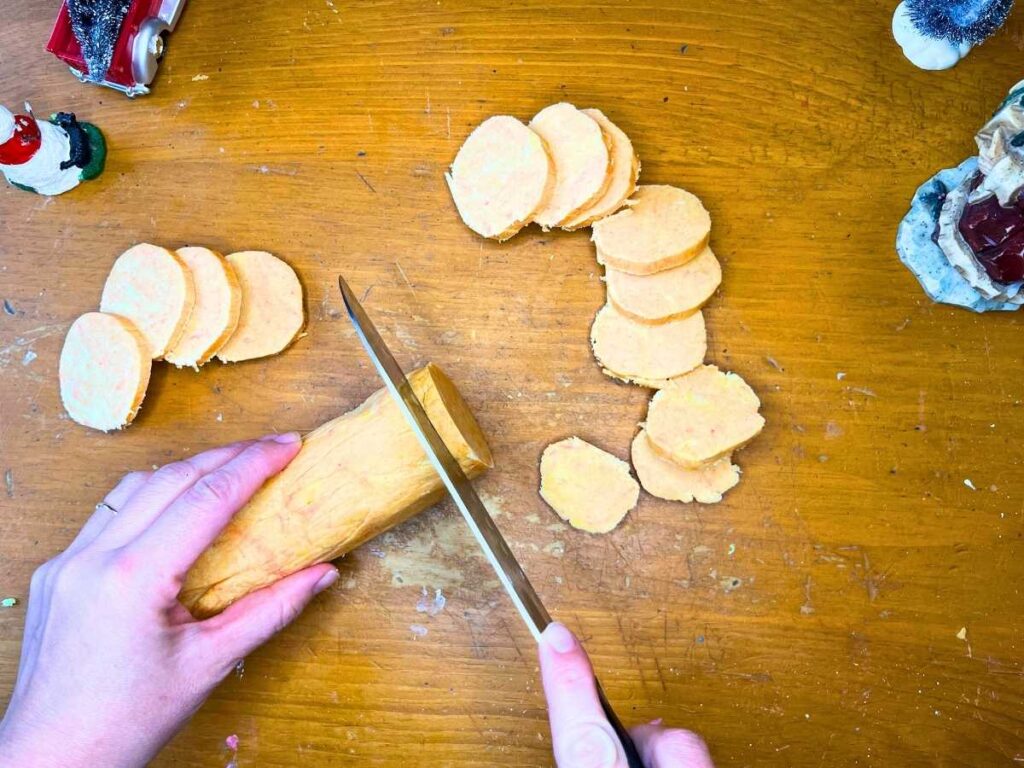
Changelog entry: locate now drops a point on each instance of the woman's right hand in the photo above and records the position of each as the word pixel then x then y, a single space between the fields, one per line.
pixel 580 733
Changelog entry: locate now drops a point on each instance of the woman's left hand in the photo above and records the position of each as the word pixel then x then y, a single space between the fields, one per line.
pixel 112 665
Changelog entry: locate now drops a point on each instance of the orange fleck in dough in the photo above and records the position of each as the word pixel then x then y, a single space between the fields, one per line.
pixel 582 157
pixel 501 177
pixel 667 295
pixel 215 314
pixel 104 371
pixel 588 488
pixel 703 416
pixel 153 288
pixel 624 171
pixel 647 354
pixel 272 312
pixel 662 227
pixel 667 480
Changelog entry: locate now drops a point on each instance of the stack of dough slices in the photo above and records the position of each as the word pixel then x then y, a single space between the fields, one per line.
pixel 573 168
pixel 185 307
pixel 567 168
pixel 659 272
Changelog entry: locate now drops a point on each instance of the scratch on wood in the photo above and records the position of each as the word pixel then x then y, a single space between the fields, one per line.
pixel 661 675
pixel 862 391
pixel 870 582
pixel 808 607
pixel 369 186
pixel 402 273
pixel 9 483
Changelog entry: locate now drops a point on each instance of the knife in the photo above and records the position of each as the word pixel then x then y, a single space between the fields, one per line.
pixel 511 575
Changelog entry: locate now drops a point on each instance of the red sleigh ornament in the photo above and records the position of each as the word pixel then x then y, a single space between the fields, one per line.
pixel 137 52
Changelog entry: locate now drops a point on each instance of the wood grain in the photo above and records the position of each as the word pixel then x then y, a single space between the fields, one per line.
pixel 811 619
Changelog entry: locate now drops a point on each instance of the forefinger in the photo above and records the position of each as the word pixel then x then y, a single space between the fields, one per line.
pixel 160 490
pixel 189 525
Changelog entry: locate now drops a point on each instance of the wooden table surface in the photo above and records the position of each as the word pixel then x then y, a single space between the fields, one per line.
pixel 853 602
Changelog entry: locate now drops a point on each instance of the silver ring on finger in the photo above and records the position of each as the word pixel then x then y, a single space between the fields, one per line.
pixel 104 505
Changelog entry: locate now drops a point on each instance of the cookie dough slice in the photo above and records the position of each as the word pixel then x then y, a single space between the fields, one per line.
pixel 625 170
pixel 153 288
pixel 215 314
pixel 501 177
pixel 588 488
pixel 272 312
pixel 667 295
pixel 662 227
pixel 667 480
pixel 104 371
pixel 703 416
pixel 582 157
pixel 647 354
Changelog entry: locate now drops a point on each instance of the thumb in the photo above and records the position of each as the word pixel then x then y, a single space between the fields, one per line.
pixel 250 622
pixel 580 733
pixel 663 747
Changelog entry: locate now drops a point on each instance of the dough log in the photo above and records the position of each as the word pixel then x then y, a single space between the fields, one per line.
pixel 355 477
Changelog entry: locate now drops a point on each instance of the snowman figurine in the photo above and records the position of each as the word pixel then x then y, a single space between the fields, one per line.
pixel 49 157
pixel 936 34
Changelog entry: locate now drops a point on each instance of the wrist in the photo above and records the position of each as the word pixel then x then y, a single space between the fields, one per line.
pixel 26 744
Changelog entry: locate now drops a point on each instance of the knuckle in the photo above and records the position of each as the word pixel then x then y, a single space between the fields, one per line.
pixel 588 745
pixel 124 566
pixel 677 746
pixel 63 579
pixel 39 577
pixel 285 615
pixel 135 479
pixel 220 487
pixel 572 673
pixel 175 474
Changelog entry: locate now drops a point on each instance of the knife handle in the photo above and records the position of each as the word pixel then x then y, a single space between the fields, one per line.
pixel 632 756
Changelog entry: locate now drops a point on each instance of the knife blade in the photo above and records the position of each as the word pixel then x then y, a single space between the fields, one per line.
pixel 493 544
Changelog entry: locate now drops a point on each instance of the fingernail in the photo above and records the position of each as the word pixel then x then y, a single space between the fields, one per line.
pixel 285 439
pixel 656 721
pixel 325 581
pixel 559 638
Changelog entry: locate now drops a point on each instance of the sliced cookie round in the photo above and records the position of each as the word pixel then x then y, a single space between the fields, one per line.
pixel 501 177
pixel 647 354
pixel 624 171
pixel 668 480
pixel 662 227
pixel 588 488
pixel 104 371
pixel 215 314
pixel 582 157
pixel 272 312
pixel 703 416
pixel 153 288
pixel 667 295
